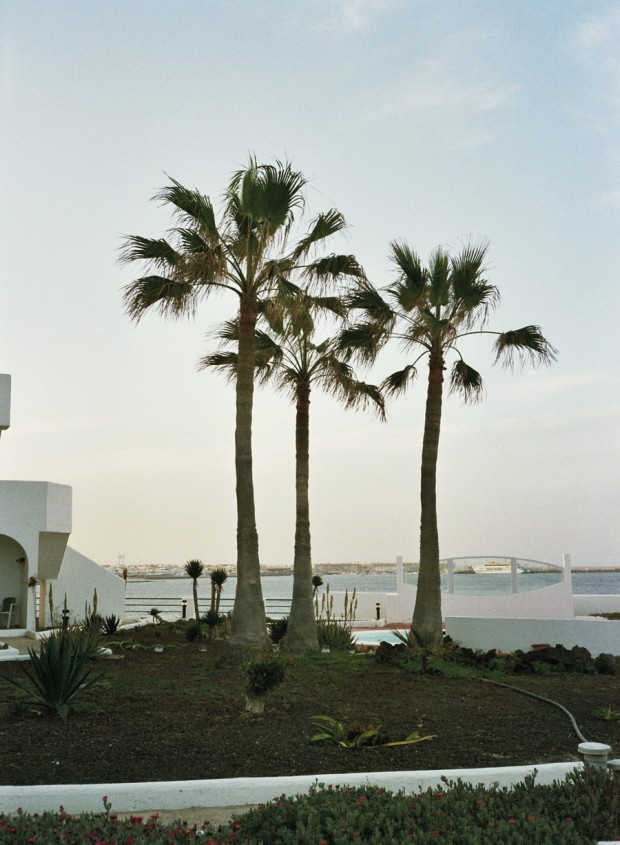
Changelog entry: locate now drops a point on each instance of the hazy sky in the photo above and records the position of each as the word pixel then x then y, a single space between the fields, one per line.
pixel 431 121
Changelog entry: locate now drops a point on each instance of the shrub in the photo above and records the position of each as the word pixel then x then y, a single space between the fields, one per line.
pixel 264 675
pixel 334 636
pixel 193 632
pixel 277 629
pixel 212 619
pixel 57 675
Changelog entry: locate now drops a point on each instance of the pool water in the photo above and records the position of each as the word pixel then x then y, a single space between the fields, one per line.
pixel 376 637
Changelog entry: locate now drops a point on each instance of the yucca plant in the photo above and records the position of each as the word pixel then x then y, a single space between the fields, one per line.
pixel 57 674
pixel 111 624
pixel 195 568
pixel 218 579
pixel 212 619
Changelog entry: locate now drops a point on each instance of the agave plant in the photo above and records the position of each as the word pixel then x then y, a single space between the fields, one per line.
pixel 57 674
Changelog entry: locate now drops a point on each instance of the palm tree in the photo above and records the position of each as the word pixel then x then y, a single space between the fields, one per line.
pixel 247 253
pixel 195 568
pixel 288 355
pixel 430 310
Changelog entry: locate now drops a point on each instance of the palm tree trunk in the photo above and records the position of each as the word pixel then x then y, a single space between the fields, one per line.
pixel 248 623
pixel 195 592
pixel 301 633
pixel 427 611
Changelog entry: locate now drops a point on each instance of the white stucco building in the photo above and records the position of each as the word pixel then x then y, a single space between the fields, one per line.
pixel 35 524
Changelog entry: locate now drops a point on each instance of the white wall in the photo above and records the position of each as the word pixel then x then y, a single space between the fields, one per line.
pixel 598 636
pixel 37 516
pixel 79 577
pixel 586 605
pixel 554 601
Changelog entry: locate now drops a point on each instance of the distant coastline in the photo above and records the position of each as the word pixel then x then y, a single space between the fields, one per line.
pixel 155 572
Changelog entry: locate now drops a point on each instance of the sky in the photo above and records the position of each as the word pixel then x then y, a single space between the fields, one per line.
pixel 431 121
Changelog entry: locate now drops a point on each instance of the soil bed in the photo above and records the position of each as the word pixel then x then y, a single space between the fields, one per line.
pixel 178 715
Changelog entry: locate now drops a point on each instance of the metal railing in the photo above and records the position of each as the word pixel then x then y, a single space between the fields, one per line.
pixel 182 608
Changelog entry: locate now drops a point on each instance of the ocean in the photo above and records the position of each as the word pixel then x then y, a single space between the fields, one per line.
pixel 280 587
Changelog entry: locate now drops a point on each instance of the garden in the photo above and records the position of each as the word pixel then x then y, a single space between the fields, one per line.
pixel 166 705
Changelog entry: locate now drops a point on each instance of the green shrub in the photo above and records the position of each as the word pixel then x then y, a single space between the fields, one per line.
pixel 277 629
pixel 264 674
pixel 57 674
pixel 193 632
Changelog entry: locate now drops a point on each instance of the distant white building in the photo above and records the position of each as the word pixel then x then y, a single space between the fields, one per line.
pixel 35 524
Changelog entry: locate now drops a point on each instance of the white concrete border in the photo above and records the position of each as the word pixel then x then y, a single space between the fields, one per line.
pixel 182 794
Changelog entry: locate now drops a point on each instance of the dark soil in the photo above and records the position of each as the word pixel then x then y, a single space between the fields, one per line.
pixel 178 715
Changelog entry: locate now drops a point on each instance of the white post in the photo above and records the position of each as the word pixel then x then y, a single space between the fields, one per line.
pixel 5 402
pixel 594 753
pixel 513 574
pixel 450 575
pixel 400 573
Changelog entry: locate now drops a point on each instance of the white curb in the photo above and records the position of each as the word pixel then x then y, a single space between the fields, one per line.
pixel 182 794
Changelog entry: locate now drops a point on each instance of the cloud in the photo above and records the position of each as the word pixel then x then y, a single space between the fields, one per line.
pixel 352 15
pixel 445 97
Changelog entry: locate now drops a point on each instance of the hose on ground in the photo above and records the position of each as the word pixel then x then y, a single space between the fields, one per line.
pixel 580 736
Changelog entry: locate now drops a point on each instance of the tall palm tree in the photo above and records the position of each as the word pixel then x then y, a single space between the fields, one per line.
pixel 431 310
pixel 247 252
pixel 195 568
pixel 288 355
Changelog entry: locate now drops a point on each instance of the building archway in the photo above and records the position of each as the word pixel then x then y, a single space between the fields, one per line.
pixel 14 577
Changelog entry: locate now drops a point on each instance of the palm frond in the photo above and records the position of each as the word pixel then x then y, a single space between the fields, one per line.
pixel 365 396
pixel 524 345
pixel 264 198
pixel 323 226
pixel 166 296
pixel 223 361
pixel 439 277
pixel 363 340
pixel 399 381
pixel 413 276
pixel 192 241
pixel 157 251
pixel 193 208
pixel 472 295
pixel 364 297
pixel 332 268
pixel 466 381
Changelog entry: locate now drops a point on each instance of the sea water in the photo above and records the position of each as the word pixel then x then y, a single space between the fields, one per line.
pixel 281 586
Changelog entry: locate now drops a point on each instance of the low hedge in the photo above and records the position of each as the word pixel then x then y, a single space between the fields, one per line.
pixel 581 810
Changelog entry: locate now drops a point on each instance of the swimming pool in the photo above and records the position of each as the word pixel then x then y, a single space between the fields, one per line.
pixel 375 637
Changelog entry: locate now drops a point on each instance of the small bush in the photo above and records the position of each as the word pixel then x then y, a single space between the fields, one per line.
pixel 277 629
pixel 264 674
pixel 193 632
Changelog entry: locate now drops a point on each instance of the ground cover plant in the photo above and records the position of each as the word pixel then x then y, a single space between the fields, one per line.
pixel 578 811
pixel 140 720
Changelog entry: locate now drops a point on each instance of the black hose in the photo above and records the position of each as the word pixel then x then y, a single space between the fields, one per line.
pixel 541 698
